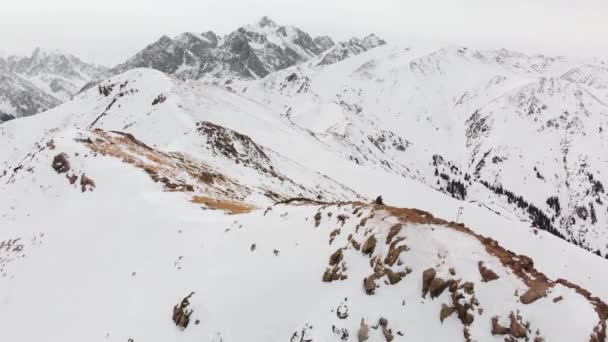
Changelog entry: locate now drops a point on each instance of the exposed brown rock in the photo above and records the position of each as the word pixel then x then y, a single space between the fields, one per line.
pixel 333 274
pixel 369 245
pixel 446 311
pixel 393 253
pixel 394 277
pixel 468 287
pixel 86 183
pixel 498 329
pixel 50 144
pixel 181 313
pixel 462 309
pixel 437 287
pixel 486 273
pixel 378 201
pixel 388 334
pixel 516 329
pixel 72 179
pixel 342 218
pixel 452 271
pixel 369 284
pixel 452 285
pixel 467 334
pixel 317 219
pixel 535 292
pixel 336 257
pixel 60 163
pixel 363 334
pixel 558 299
pixel 393 231
pixel 427 277
pixel 333 235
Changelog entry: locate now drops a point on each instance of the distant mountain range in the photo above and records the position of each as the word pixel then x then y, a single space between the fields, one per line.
pixel 41 81
pixel 250 52
pixel 47 78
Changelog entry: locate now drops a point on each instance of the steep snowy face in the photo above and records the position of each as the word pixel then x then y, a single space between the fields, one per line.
pixel 168 56
pixel 61 75
pixel 250 52
pixel 324 42
pixel 593 76
pixel 540 142
pixel 473 124
pixel 19 97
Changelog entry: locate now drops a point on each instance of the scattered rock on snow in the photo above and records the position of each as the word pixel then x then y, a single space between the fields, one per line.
pixel 427 277
pixel 446 311
pixel 516 328
pixel 363 334
pixel 498 329
pixel 369 245
pixel 535 292
pixel 486 273
pixel 181 313
pixel 61 163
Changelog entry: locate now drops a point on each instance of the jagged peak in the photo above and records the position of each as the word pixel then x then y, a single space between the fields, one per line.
pixel 265 21
pixel 371 41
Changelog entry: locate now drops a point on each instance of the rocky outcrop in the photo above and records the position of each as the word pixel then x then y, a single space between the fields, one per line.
pixel 427 278
pixel 181 312
pixel 61 163
pixel 486 273
pixel 369 245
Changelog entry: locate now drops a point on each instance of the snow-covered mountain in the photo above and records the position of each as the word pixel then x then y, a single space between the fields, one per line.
pixel 516 131
pixel 251 52
pixel 35 83
pixel 104 196
pixel 166 205
pixel 18 97
pixel 59 74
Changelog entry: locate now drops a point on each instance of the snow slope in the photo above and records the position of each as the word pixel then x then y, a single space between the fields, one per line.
pixel 451 118
pixel 141 190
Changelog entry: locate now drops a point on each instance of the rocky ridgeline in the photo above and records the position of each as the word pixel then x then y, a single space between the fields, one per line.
pixel 389 239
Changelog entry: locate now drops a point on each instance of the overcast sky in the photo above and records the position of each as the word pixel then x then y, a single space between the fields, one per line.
pixel 109 31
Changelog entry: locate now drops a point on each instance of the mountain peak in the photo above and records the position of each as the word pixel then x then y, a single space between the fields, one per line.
pixel 44 53
pixel 265 21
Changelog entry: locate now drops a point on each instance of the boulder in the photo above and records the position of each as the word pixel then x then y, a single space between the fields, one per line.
pixel 60 163
pixel 446 311
pixel 363 334
pixel 516 328
pixel 486 273
pixel 437 287
pixel 369 284
pixel 498 329
pixel 427 277
pixel 535 292
pixel 336 257
pixel 369 245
